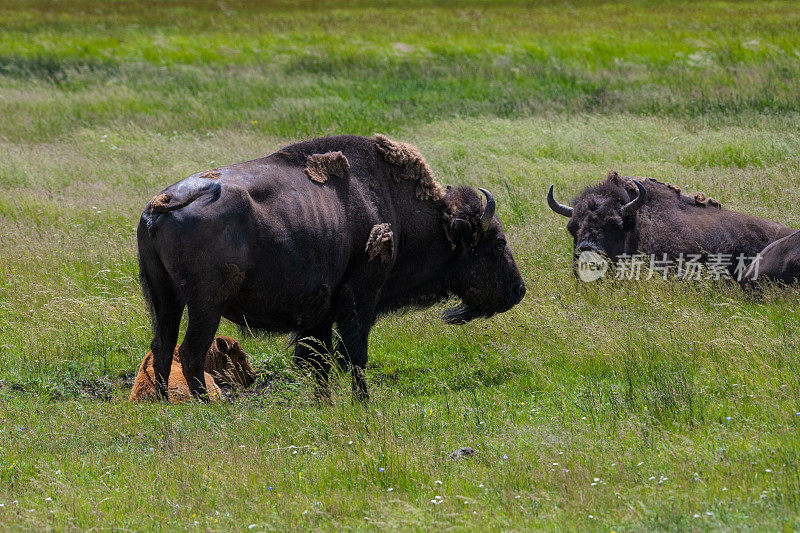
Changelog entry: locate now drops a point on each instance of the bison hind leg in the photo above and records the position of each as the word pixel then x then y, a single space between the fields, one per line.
pixel 166 310
pixel 200 331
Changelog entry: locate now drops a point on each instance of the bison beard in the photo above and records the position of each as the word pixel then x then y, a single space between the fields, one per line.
pixel 470 308
pixel 460 314
pixel 270 249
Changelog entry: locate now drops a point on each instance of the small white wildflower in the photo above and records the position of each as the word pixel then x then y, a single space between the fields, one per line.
pixel 438 482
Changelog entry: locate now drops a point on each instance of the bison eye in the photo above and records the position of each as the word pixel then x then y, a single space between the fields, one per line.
pixel 500 245
pixel 572 228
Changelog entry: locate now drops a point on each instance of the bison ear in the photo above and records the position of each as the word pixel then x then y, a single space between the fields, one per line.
pixel 222 346
pixel 462 217
pixel 462 231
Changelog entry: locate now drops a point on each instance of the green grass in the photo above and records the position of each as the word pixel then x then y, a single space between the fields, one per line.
pixel 682 399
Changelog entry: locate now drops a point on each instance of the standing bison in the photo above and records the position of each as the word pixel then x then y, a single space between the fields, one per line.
pixel 336 230
pixel 624 216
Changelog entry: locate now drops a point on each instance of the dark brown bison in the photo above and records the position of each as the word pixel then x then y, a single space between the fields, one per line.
pixel 779 261
pixel 623 215
pixel 336 230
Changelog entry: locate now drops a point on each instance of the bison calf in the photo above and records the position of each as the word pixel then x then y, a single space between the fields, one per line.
pixel 226 363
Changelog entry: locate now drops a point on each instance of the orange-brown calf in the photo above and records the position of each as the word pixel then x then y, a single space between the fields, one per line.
pixel 226 362
pixel 144 387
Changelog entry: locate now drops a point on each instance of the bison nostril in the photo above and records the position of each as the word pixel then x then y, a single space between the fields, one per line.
pixel 521 291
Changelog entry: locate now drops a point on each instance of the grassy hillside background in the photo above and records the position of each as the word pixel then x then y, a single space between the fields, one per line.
pixel 651 405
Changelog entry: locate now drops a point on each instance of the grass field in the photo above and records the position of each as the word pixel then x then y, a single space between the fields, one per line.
pixel 638 406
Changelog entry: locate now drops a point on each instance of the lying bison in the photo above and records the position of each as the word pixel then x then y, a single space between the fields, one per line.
pixel 226 365
pixel 780 261
pixel 625 216
pixel 336 230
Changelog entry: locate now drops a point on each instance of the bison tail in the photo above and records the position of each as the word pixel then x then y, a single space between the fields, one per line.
pixel 171 201
pixel 151 271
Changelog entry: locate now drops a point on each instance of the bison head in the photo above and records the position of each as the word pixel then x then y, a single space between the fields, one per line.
pixel 227 360
pixel 486 277
pixel 603 217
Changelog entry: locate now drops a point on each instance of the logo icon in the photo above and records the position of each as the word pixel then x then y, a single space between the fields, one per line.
pixel 591 266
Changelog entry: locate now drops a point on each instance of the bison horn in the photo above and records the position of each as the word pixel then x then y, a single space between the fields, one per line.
pixel 632 206
pixel 563 210
pixel 488 213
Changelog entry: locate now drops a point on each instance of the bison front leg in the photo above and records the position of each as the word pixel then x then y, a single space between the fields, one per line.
pixel 356 316
pixel 203 324
pixel 313 354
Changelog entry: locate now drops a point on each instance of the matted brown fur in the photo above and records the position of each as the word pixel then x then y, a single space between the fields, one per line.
pixel 233 282
pixel 320 167
pixel 144 386
pixel 699 198
pixel 414 167
pixel 210 174
pixel 159 201
pixel 381 242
